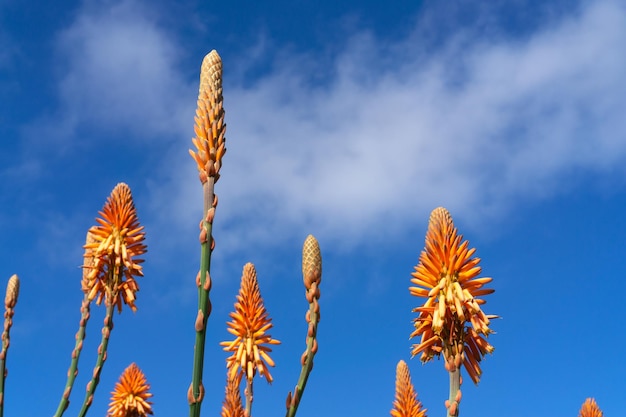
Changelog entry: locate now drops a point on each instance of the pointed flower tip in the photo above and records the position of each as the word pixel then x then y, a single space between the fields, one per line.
pixel 114 246
pixel 590 409
pixel 406 403
pixel 13 291
pixel 311 262
pixel 250 323
pixel 131 394
pixel 232 405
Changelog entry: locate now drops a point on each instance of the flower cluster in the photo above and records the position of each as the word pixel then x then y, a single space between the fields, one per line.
pixel 112 251
pixel 406 403
pixel 447 276
pixel 250 323
pixel 130 396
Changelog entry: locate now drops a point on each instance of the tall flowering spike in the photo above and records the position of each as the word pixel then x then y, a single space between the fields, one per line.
pixel 406 403
pixel 112 252
pixel 451 320
pixel 590 409
pixel 131 394
pixel 232 405
pixel 210 128
pixel 250 323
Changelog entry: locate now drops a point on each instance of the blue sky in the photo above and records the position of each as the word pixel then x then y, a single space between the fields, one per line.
pixel 348 120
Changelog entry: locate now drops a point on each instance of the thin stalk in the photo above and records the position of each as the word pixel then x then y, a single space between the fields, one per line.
pixel 249 397
pixel 9 304
pixel 73 371
pixel 102 354
pixel 455 388
pixel 196 394
pixel 307 365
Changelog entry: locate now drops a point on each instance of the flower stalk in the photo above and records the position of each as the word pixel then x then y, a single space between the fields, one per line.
pixel 251 346
pixel 10 300
pixel 312 276
pixel 210 147
pixel 451 321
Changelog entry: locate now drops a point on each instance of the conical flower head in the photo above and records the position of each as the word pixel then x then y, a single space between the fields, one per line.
pixel 406 403
pixel 590 409
pixel 112 252
pixel 232 405
pixel 131 394
pixel 447 276
pixel 210 128
pixel 250 323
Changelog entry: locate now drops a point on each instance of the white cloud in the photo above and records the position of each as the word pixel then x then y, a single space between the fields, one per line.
pixel 119 73
pixel 509 123
pixel 371 140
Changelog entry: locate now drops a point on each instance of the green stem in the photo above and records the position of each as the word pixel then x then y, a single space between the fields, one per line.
pixel 196 394
pixel 455 386
pixel 73 371
pixel 308 364
pixel 6 341
pixel 102 353
pixel 249 397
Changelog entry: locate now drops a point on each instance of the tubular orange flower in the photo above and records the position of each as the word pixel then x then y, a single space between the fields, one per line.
pixel 590 409
pixel 130 397
pixel 406 403
pixel 210 128
pixel 232 406
pixel 446 276
pixel 111 252
pixel 250 322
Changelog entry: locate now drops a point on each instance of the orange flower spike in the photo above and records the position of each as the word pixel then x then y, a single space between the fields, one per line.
pixel 131 394
pixel 210 128
pixel 114 246
pixel 250 322
pixel 406 403
pixel 232 405
pixel 446 276
pixel 590 409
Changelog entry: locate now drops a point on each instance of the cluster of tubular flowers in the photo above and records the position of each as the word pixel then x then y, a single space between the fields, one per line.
pixel 112 252
pixel 451 320
pixel 250 323
pixel 232 405
pixel 131 394
pixel 210 128
pixel 406 403
pixel 590 409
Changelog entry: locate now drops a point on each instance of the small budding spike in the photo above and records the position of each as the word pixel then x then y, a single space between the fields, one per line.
pixel 13 291
pixel 311 262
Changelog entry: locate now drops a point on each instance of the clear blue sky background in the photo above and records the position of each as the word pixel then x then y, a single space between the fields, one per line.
pixel 348 120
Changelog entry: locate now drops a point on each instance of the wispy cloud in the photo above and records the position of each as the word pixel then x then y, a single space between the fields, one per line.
pixel 378 134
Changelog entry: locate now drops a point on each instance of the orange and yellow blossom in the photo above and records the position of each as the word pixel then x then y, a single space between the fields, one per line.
pixel 130 396
pixel 406 403
pixel 590 409
pixel 250 322
pixel 112 252
pixel 451 320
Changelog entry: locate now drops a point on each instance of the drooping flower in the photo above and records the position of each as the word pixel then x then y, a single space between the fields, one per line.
pixel 451 320
pixel 232 405
pixel 406 403
pixel 131 394
pixel 590 409
pixel 210 128
pixel 250 323
pixel 112 252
